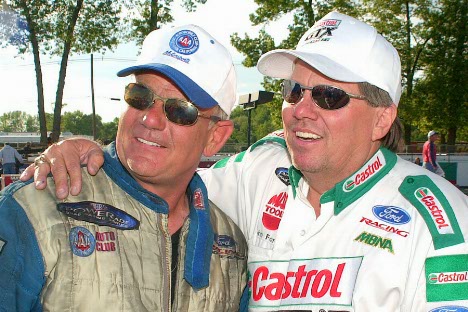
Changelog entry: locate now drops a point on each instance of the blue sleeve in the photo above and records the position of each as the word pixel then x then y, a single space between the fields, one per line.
pixel 21 263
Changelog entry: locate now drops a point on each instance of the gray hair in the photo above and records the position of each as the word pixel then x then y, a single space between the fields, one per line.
pixel 377 97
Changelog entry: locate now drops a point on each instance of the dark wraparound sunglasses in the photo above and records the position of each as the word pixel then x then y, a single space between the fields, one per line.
pixel 325 96
pixel 178 111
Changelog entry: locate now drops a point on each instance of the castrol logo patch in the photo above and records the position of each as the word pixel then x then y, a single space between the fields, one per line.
pixel 274 210
pixel 303 282
pixel 370 169
pixel 434 207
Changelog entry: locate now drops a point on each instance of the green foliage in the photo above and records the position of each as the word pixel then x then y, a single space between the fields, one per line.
pixel 429 35
pixel 108 131
pixel 15 121
pixel 262 122
pixel 75 122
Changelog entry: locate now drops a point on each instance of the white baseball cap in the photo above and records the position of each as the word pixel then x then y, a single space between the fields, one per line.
pixel 342 48
pixel 195 61
pixel 431 133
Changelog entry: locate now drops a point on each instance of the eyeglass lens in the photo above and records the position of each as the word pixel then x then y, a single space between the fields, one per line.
pixel 326 97
pixel 177 111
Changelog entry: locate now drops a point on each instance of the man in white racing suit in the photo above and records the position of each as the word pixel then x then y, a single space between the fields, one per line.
pixel 334 219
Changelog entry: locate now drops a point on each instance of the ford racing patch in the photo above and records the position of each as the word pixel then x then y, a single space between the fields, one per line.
pixel 225 247
pixel 82 242
pixel 450 309
pixel 100 214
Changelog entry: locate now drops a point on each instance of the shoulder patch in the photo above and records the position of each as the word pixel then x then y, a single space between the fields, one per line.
pixel 435 210
pixel 447 278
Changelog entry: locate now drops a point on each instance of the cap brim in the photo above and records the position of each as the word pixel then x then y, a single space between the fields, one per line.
pixel 280 64
pixel 192 90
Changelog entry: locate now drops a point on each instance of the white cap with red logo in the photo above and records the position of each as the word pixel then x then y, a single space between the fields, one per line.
pixel 342 48
pixel 195 61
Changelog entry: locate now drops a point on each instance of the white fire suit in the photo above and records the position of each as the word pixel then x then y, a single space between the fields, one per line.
pixel 391 237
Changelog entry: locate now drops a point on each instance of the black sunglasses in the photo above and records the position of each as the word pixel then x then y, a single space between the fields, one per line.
pixel 325 96
pixel 178 111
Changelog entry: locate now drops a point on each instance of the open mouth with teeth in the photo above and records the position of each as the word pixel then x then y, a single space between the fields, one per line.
pixel 148 142
pixel 307 135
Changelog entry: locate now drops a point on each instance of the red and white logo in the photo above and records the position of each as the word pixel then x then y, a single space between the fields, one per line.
pixel 198 201
pixel 274 210
pixel 434 207
pixel 374 165
pixel 303 282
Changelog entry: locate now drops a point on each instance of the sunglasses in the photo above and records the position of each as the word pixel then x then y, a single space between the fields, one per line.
pixel 326 97
pixel 177 111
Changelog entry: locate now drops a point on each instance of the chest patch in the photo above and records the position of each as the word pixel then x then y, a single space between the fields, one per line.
pixel 82 241
pixel 100 214
pixel 303 282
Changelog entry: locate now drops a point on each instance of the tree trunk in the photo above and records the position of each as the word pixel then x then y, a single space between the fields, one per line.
pixel 153 22
pixel 38 69
pixel 63 71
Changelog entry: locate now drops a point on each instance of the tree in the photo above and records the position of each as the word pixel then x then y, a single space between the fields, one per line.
pixel 404 23
pixel 79 123
pixel 20 32
pixel 443 89
pixel 62 27
pixel 144 16
pixel 108 131
pixel 17 121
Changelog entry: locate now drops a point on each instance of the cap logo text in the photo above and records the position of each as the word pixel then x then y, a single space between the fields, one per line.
pixel 184 42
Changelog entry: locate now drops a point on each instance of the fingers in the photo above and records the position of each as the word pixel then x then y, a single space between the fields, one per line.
pixel 66 164
pixel 95 160
pixel 28 173
pixel 63 161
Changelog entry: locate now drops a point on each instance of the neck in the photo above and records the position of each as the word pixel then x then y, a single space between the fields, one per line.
pixel 175 196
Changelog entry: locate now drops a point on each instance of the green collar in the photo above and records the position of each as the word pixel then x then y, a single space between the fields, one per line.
pixel 347 191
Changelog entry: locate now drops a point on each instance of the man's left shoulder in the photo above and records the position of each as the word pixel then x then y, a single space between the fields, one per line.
pixel 443 207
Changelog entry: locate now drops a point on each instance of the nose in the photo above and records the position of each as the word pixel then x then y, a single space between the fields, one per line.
pixel 153 117
pixel 306 107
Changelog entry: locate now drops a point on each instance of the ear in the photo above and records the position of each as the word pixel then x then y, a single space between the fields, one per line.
pixel 219 134
pixel 384 120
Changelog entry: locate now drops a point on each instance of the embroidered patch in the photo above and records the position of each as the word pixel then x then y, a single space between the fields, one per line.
pixel 100 214
pixel 2 244
pixel 283 174
pixel 375 241
pixel 184 42
pixel 369 170
pixel 385 227
pixel 198 199
pixel 391 214
pixel 322 31
pixel 434 208
pixel 450 309
pixel 225 247
pixel 303 282
pixel 105 241
pixel 82 242
pixel 274 210
pixel 447 278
